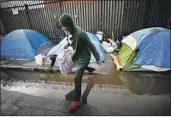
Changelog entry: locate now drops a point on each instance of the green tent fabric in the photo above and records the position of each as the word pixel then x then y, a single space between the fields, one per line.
pixel 129 50
pixel 126 56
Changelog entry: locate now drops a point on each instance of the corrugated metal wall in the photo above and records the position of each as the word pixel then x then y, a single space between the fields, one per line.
pixel 120 16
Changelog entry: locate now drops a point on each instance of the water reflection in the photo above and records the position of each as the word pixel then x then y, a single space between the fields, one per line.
pixel 90 84
pixel 137 82
pixel 147 83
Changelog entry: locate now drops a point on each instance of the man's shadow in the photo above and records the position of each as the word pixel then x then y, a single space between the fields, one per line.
pixel 69 96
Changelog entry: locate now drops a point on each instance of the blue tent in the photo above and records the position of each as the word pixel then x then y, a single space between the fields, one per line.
pixel 154 49
pixel 95 40
pixel 146 49
pixel 22 44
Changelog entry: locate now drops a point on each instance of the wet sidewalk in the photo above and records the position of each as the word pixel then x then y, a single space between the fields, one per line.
pixel 39 98
pixel 20 104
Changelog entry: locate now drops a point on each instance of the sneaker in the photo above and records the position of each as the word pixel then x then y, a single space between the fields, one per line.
pixel 74 105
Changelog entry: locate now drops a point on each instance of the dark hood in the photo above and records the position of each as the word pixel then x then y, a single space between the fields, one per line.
pixel 66 20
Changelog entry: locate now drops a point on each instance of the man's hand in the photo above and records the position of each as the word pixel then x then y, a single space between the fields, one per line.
pixel 98 62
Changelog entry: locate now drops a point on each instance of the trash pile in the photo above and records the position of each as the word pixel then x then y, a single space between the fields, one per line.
pixel 111 47
pixel 108 44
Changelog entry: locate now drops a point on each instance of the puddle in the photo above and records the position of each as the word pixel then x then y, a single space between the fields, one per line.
pixel 137 82
pixel 110 78
pixel 147 83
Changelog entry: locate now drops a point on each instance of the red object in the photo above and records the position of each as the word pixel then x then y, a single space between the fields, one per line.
pixel 74 105
pixel 90 72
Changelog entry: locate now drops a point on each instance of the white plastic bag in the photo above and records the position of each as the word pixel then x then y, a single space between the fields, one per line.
pixel 39 59
pixel 110 49
pixel 65 63
pixel 107 47
pixel 106 44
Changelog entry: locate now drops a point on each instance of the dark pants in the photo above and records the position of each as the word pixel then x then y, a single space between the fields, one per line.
pixel 53 58
pixel 78 82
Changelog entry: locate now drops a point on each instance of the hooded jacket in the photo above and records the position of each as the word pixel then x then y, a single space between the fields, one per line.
pixel 80 42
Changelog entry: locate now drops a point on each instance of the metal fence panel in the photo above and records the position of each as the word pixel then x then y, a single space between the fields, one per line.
pixel 120 16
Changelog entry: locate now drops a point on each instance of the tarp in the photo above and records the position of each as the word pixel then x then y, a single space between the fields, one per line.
pixel 21 44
